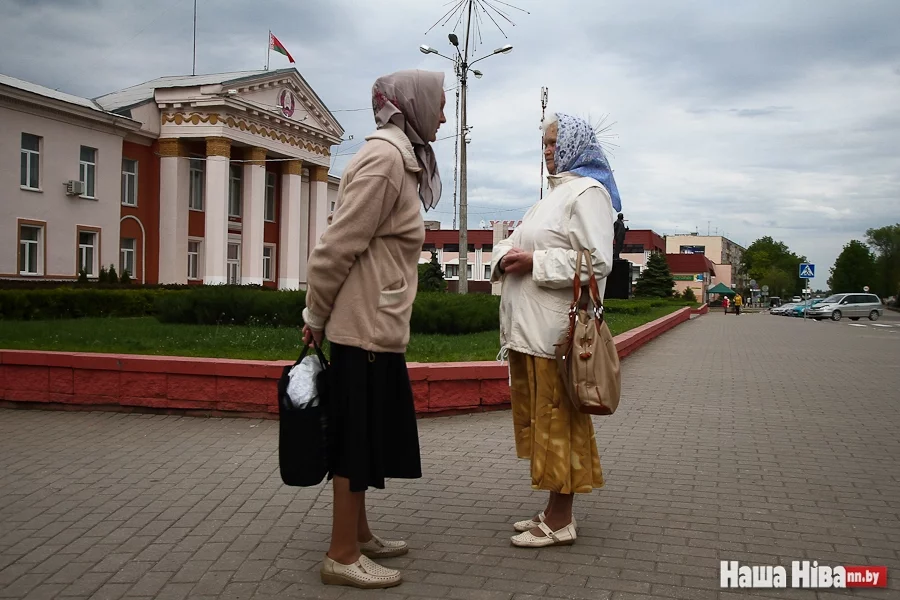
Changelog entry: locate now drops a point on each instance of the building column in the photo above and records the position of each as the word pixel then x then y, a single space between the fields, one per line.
pixel 478 271
pixel 292 238
pixel 174 176
pixel 215 241
pixel 254 213
pixel 318 204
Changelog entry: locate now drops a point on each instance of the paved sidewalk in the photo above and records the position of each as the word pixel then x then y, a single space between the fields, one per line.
pixel 753 438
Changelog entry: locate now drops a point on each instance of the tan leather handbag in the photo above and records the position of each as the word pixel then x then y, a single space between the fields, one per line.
pixel 586 355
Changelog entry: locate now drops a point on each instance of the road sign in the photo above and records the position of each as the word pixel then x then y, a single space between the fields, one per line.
pixel 866 288
pixel 765 289
pixel 807 271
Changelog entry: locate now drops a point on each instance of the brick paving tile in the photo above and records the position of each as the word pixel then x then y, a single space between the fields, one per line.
pixel 760 439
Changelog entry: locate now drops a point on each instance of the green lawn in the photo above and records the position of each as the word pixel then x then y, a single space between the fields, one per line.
pixel 146 335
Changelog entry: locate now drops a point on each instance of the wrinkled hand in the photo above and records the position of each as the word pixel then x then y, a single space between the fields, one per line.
pixel 517 262
pixel 312 335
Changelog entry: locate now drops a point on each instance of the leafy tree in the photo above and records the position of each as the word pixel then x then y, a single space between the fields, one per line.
pixel 772 263
pixel 886 241
pixel 853 269
pixel 431 276
pixel 656 280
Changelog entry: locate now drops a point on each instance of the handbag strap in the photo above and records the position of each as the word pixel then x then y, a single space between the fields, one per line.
pixel 593 289
pixel 319 353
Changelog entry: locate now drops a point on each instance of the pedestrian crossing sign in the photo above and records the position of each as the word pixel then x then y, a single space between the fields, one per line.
pixel 807 271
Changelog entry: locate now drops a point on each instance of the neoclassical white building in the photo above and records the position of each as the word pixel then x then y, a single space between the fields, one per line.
pixel 196 179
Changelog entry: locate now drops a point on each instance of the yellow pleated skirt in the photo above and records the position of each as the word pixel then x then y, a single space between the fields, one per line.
pixel 557 439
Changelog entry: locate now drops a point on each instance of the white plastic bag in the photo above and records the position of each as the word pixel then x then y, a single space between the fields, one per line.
pixel 301 387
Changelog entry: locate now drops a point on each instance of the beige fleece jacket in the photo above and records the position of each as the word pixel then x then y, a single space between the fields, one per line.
pixel 363 274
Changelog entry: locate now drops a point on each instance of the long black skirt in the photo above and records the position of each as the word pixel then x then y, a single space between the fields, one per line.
pixel 372 418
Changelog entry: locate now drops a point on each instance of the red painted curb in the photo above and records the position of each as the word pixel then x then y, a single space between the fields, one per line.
pixel 209 386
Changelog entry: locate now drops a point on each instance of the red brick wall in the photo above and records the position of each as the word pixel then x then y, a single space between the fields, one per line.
pixel 221 386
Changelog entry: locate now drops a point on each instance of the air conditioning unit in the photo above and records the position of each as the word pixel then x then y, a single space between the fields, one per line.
pixel 74 188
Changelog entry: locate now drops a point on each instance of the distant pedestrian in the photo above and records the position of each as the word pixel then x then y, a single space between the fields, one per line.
pixel 362 283
pixel 738 303
pixel 537 267
pixel 725 304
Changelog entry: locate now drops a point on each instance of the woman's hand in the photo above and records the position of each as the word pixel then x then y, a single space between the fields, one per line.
pixel 312 335
pixel 517 262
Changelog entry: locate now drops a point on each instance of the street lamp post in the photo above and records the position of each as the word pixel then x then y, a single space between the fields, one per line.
pixel 463 67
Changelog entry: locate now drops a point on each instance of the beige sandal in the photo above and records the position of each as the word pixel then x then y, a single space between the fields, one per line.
pixel 562 537
pixel 529 524
pixel 379 548
pixel 363 574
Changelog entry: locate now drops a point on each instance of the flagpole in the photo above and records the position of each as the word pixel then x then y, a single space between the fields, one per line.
pixel 268 48
pixel 194 68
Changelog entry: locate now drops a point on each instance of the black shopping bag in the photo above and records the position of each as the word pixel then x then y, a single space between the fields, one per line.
pixel 302 432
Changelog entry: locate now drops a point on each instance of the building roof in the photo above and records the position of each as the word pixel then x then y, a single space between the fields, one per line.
pixel 689 263
pixel 46 92
pixel 142 92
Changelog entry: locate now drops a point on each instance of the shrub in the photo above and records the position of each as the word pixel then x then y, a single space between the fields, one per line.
pixel 689 295
pixel 104 276
pixel 125 278
pixel 70 303
pixel 435 312
pixel 111 275
pixel 232 305
pixel 83 276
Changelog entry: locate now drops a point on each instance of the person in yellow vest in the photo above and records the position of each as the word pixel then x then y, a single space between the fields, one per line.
pixel 738 303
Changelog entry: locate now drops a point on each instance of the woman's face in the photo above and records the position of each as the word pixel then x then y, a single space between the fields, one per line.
pixel 550 148
pixel 442 120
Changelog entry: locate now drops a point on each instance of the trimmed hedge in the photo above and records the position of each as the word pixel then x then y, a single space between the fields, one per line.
pixel 71 303
pixel 433 312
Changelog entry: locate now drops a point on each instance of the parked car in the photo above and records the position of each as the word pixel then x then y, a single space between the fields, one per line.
pixel 803 308
pixel 853 306
pixel 782 310
pixel 796 299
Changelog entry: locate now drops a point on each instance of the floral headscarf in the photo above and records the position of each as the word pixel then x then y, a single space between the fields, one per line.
pixel 411 100
pixel 579 152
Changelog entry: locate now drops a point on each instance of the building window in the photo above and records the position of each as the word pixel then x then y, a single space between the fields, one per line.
pixel 126 257
pixel 632 249
pixel 198 181
pixel 469 271
pixel 235 191
pixel 270 197
pixel 129 182
pixel 87 171
pixel 87 252
pixel 451 271
pixel 487 272
pixel 193 269
pixel 451 247
pixel 234 263
pixel 30 174
pixel 31 245
pixel 692 250
pixel 269 263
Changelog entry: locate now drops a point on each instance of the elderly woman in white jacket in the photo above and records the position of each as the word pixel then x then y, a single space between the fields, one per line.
pixel 536 265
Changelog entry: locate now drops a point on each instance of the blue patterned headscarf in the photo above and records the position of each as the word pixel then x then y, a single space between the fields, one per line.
pixel 579 152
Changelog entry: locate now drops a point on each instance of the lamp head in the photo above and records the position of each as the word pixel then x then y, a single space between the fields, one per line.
pixel 453 39
pixel 504 49
pixel 427 49
pixel 478 74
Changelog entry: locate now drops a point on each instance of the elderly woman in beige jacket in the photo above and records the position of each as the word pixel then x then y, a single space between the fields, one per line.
pixel 536 266
pixel 363 276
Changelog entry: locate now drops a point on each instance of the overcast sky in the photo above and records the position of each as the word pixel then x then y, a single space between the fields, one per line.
pixel 746 118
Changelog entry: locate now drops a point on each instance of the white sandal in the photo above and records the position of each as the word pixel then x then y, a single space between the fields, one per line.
pixel 529 524
pixel 379 548
pixel 363 574
pixel 562 537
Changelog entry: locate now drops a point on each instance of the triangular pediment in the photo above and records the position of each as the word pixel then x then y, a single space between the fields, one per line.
pixel 287 94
